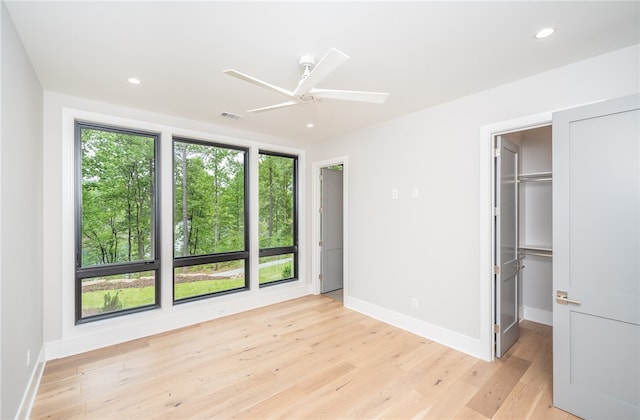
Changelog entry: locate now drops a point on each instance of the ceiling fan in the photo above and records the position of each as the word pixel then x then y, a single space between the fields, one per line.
pixel 306 91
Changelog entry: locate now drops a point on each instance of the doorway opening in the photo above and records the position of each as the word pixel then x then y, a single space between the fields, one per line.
pixel 331 235
pixel 330 202
pixel 522 232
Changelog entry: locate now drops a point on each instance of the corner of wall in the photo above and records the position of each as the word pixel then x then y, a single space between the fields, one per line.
pixel 2 12
pixel 24 410
pixel 20 222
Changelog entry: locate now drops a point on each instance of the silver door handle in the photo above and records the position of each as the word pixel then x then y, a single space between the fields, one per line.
pixel 561 298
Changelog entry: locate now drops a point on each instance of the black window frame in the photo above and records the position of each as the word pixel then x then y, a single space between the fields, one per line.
pixel 292 249
pixel 191 260
pixel 116 268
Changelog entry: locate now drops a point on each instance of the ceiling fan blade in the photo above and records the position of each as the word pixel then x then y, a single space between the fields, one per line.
pixel 350 95
pixel 258 82
pixel 276 106
pixel 327 64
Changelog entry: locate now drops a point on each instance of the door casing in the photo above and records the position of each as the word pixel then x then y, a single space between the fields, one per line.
pixel 331 217
pixel 487 133
pixel 315 222
pixel 487 225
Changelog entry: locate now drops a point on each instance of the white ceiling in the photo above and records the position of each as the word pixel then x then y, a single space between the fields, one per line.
pixel 421 52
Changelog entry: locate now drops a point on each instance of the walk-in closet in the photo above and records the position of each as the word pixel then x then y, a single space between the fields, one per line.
pixel 534 224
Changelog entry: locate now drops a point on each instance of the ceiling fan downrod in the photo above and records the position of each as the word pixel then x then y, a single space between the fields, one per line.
pixel 306 62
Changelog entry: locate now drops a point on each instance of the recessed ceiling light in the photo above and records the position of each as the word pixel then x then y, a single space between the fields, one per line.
pixel 543 33
pixel 310 125
pixel 133 81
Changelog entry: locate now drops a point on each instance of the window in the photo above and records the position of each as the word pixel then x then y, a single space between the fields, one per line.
pixel 278 218
pixel 117 219
pixel 210 219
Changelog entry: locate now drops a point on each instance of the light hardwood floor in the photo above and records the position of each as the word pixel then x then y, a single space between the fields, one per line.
pixel 307 358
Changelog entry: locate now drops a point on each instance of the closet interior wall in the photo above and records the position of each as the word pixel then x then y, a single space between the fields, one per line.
pixel 535 224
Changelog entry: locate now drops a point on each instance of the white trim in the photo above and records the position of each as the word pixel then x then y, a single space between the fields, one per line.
pixel 29 397
pixel 452 339
pixel 2 141
pixel 487 292
pixel 538 315
pixel 315 221
pixel 113 331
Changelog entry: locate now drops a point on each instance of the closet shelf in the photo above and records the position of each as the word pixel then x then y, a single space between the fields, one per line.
pixel 535 177
pixel 539 251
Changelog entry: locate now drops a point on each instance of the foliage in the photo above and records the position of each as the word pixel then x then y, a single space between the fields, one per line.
pixel 118 202
pixel 276 201
pixel 281 269
pixel 111 303
pixel 117 197
pixel 199 288
pixel 287 271
pixel 130 297
pixel 208 199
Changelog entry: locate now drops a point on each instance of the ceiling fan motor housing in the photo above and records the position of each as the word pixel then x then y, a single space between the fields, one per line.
pixel 307 60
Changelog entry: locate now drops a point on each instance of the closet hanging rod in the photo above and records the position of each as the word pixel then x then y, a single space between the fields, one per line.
pixel 538 254
pixel 535 177
pixel 524 179
pixel 535 252
pixel 536 174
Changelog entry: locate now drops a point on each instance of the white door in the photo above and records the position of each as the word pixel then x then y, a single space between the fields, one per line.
pixel 331 276
pixel 596 259
pixel 506 245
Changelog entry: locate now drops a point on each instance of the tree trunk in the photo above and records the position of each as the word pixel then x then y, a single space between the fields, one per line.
pixel 270 220
pixel 129 221
pixel 152 207
pixel 185 220
pixel 216 202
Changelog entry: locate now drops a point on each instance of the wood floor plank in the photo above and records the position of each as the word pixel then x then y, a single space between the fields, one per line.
pixel 320 377
pixel 468 413
pixel 452 400
pixel 541 370
pixel 520 402
pixel 532 337
pixel 481 371
pixel 544 409
pixel 304 358
pixel 494 392
pixel 410 406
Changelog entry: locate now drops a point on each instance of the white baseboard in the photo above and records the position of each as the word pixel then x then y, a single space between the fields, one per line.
pixel 463 343
pixel 538 315
pixel 24 410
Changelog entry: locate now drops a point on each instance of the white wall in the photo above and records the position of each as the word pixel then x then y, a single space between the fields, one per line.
pixel 20 223
pixel 62 336
pixel 432 247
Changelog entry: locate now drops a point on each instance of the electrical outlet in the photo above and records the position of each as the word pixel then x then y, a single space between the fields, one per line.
pixel 414 302
pixel 414 192
pixel 28 357
pixel 394 194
